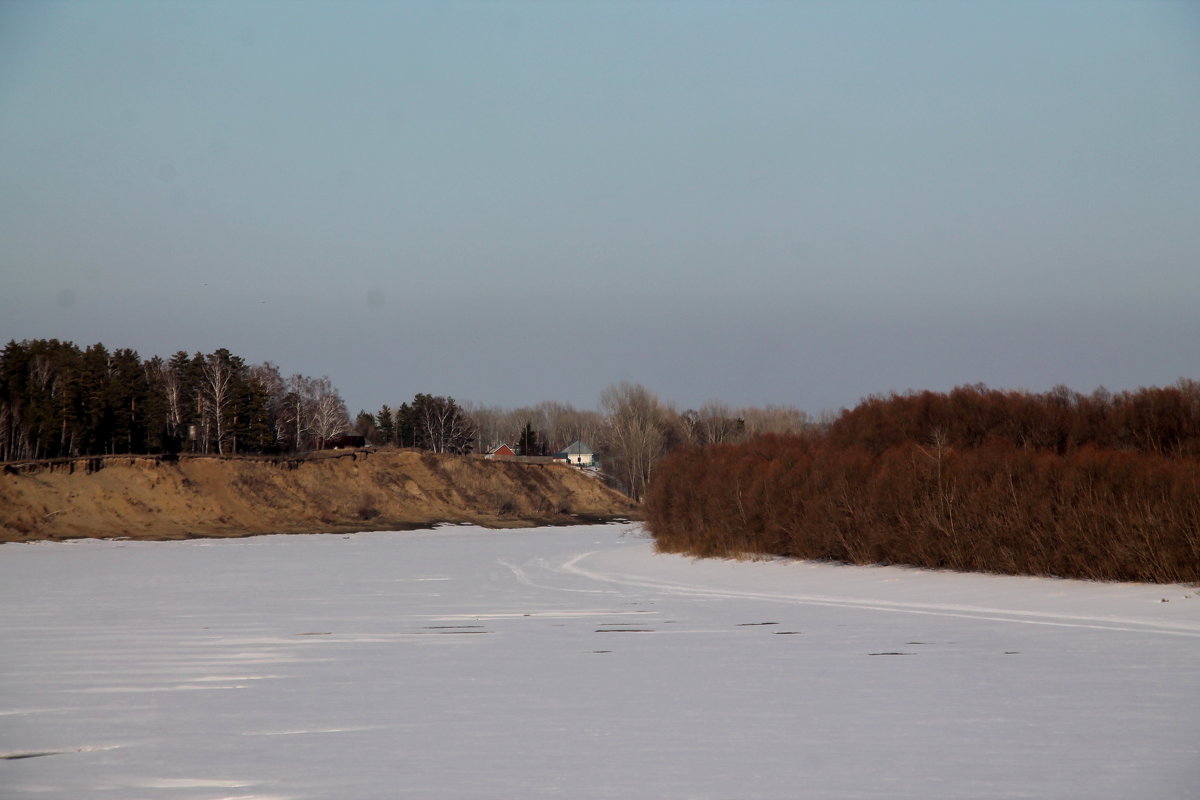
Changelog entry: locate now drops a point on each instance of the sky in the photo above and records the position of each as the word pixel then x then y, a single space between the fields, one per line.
pixel 797 203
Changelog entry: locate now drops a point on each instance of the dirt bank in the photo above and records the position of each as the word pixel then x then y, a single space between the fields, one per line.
pixel 149 498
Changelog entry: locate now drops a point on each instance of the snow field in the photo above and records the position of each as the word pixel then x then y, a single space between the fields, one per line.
pixel 574 662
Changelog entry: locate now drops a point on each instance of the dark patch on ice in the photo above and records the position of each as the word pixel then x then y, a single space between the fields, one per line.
pixel 37 754
pixel 788 633
pixel 751 624
pixel 458 633
pixel 623 630
pixel 890 654
pixel 602 651
pixel 1012 652
pixel 449 627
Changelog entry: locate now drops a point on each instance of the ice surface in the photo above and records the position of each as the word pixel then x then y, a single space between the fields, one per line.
pixel 576 663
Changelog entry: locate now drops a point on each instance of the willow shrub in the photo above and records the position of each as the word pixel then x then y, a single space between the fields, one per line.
pixel 997 507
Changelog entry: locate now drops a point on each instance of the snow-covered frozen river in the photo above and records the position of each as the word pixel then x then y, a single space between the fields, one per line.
pixel 574 663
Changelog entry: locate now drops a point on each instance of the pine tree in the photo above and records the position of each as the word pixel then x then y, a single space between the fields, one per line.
pixel 385 424
pixel 364 426
pixel 531 443
pixel 251 427
pixel 406 427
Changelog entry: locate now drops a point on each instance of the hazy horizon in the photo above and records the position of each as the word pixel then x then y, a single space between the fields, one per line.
pixel 510 202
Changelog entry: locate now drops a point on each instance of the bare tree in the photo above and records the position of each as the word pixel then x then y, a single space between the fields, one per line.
pixel 636 435
pixel 295 414
pixel 557 424
pixel 719 423
pixel 218 389
pixel 775 419
pixel 562 423
pixel 165 374
pixel 328 412
pixel 493 425
pixel 441 425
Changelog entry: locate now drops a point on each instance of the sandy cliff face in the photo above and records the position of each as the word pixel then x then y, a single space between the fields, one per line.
pixel 146 498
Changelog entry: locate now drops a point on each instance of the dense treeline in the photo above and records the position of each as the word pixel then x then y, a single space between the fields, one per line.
pixel 1100 486
pixel 58 400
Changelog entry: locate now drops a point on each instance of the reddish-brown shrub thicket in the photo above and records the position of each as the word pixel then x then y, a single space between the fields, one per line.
pixel 1107 491
pixel 1155 420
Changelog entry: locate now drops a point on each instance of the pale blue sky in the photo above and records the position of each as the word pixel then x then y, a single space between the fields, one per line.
pixel 508 202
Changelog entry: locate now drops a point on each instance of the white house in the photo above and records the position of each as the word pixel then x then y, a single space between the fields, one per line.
pixel 578 454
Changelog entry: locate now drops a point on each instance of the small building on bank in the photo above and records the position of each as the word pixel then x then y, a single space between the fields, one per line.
pixel 345 441
pixel 578 454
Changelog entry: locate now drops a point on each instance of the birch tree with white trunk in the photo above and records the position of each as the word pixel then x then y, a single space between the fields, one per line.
pixel 218 389
pixel 328 416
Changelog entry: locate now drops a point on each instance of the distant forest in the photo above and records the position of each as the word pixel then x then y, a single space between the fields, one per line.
pixel 1100 486
pixel 57 400
pixel 60 401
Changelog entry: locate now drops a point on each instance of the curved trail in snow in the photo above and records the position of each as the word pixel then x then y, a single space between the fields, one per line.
pixel 618 567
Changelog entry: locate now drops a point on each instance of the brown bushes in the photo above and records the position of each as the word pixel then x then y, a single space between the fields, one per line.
pixel 962 497
pixel 1162 420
